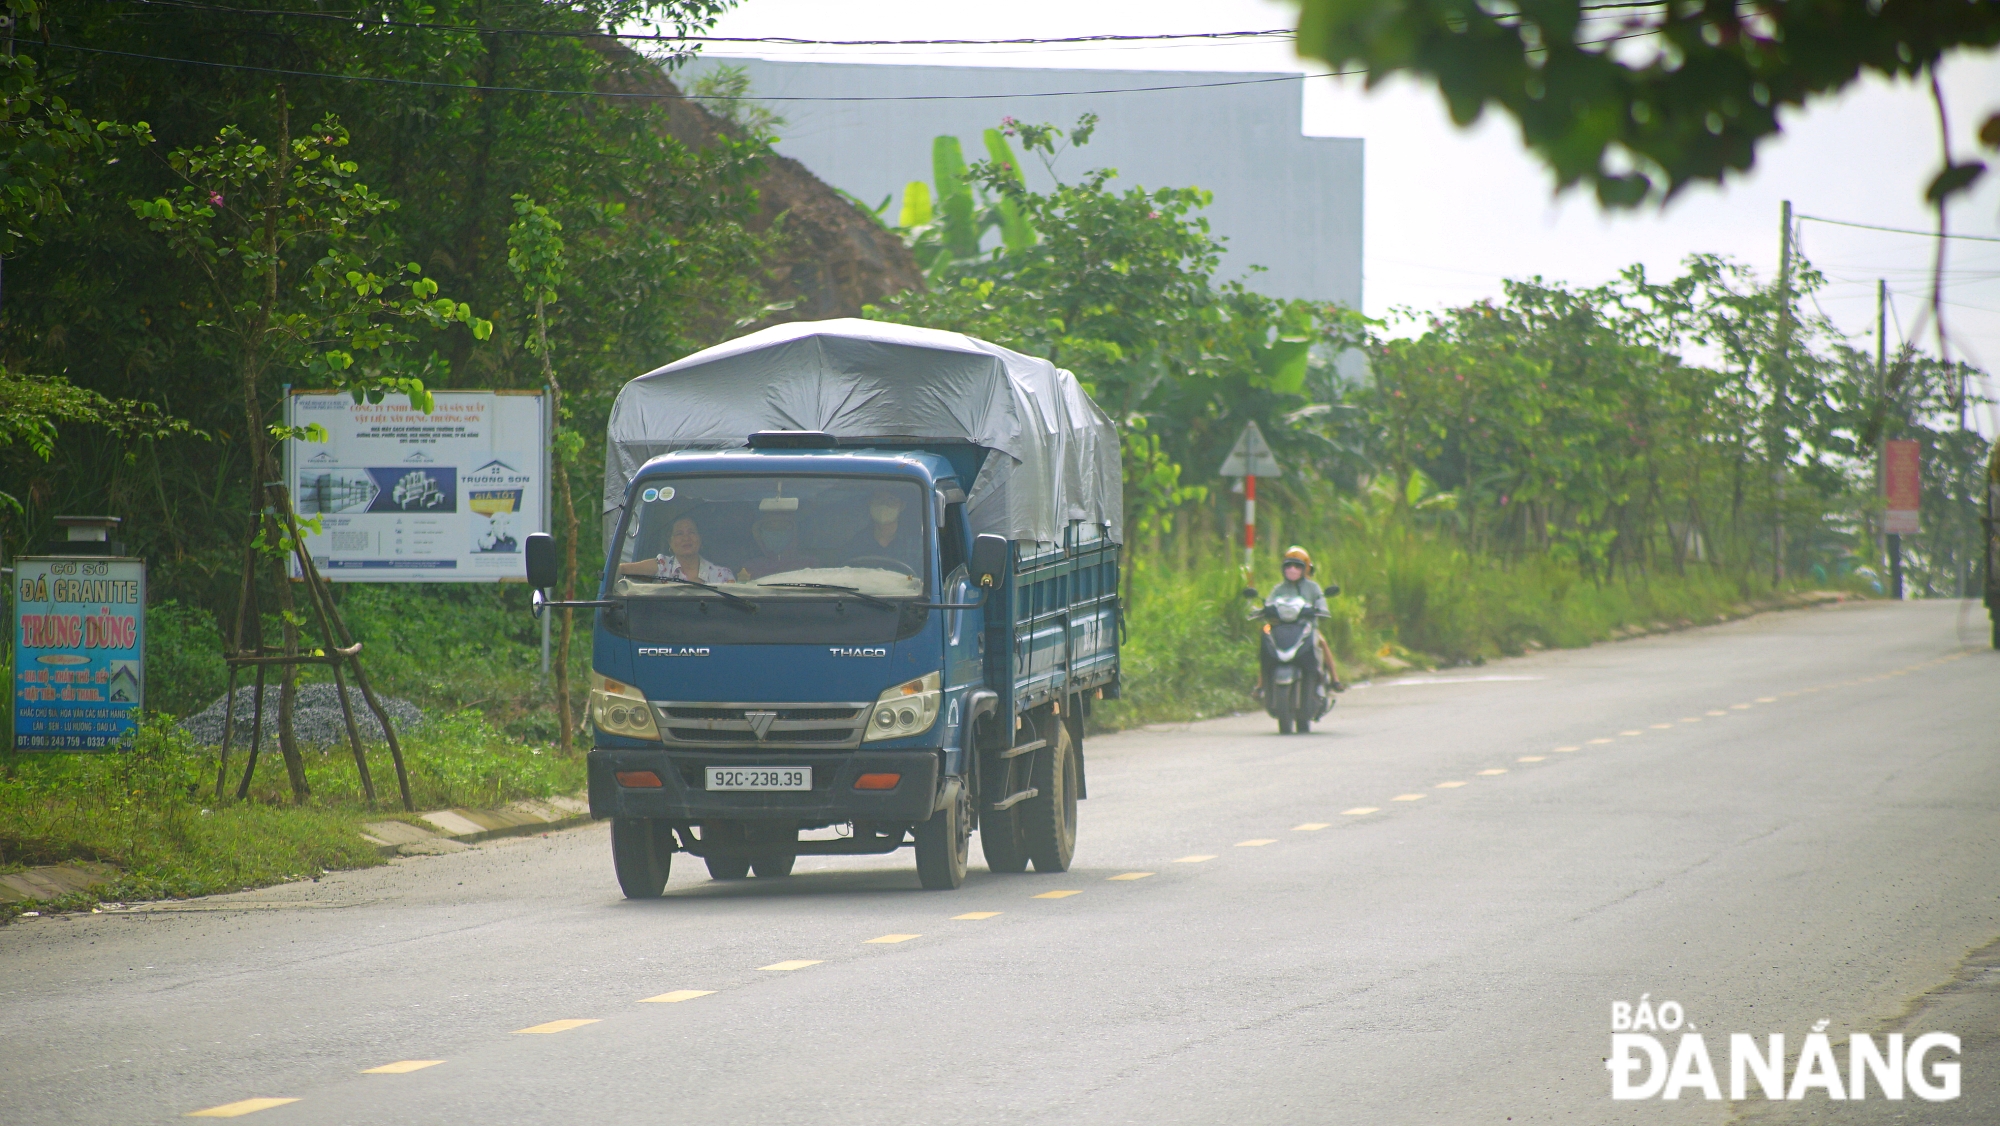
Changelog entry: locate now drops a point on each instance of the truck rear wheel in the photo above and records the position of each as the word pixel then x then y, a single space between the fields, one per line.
pixel 1000 840
pixel 641 854
pixel 1048 822
pixel 944 844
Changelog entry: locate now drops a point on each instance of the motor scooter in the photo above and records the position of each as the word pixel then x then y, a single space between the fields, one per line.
pixel 1294 684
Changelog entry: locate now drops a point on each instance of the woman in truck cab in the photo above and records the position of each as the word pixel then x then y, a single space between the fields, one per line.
pixel 684 562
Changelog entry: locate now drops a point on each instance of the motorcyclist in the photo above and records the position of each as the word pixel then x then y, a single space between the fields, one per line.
pixel 1297 568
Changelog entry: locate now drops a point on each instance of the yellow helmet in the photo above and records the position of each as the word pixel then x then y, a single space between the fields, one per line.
pixel 1300 554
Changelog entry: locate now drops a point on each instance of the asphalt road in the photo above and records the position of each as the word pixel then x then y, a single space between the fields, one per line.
pixel 1421 913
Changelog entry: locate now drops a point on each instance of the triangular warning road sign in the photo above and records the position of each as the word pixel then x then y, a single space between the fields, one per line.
pixel 1251 456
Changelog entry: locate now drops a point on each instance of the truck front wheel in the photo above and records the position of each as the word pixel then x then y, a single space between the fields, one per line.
pixel 642 854
pixel 944 844
pixel 1048 822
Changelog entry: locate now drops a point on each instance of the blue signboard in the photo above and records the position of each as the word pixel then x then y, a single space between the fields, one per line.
pixel 79 652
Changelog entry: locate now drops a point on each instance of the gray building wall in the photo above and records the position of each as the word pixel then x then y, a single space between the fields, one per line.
pixel 1284 201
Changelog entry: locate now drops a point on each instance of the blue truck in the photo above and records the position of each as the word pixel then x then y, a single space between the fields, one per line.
pixel 861 592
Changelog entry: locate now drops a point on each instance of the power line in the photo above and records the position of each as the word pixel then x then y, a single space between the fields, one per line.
pixel 697 97
pixel 366 20
pixel 1899 230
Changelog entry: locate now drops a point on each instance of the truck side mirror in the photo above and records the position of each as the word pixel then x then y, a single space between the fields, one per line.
pixel 541 552
pixel 989 560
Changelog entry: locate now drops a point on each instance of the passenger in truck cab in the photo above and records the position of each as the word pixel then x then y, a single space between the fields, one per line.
pixel 777 536
pixel 887 535
pixel 684 562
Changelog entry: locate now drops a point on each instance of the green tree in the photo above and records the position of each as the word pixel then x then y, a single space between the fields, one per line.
pixel 535 254
pixel 1640 100
pixel 292 248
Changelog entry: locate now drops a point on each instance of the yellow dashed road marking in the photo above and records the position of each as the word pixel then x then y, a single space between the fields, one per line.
pixel 1566 749
pixel 1258 843
pixel 1690 719
pixel 1718 713
pixel 895 938
pixel 1740 707
pixel 1408 797
pixel 1448 785
pixel 976 915
pixel 679 995
pixel 1629 734
pixel 1309 827
pixel 1598 742
pixel 1767 699
pixel 1055 895
pixel 401 1067
pixel 235 1109
pixel 1360 809
pixel 1492 772
pixel 1129 876
pixel 1195 859
pixel 1663 727
pixel 1532 758
pixel 554 1026
pixel 795 964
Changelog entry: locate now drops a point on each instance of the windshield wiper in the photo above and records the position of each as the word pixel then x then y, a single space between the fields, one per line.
pixel 868 598
pixel 735 600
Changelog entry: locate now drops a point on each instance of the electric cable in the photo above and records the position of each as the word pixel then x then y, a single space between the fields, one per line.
pixel 778 40
pixel 635 96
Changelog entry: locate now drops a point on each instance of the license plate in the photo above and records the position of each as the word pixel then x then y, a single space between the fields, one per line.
pixel 1285 675
pixel 760 778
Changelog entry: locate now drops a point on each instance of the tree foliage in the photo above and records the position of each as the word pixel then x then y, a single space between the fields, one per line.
pixel 1120 286
pixel 1640 100
pixel 154 303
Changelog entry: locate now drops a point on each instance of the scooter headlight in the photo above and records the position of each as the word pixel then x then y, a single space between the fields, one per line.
pixel 910 708
pixel 618 708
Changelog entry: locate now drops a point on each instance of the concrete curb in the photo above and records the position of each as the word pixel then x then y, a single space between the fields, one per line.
pixel 448 830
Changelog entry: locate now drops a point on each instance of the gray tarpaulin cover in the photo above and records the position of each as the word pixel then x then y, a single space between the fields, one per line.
pixel 1056 456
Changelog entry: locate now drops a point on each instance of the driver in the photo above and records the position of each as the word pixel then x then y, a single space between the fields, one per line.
pixel 685 562
pixel 1297 566
pixel 777 533
pixel 887 535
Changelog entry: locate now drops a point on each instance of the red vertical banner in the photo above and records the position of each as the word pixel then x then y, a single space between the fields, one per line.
pixel 1249 521
pixel 1902 485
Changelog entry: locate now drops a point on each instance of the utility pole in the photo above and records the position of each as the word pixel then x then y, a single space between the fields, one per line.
pixel 1882 399
pixel 1780 371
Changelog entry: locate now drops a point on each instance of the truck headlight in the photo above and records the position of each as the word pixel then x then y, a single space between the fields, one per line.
pixel 907 709
pixel 620 709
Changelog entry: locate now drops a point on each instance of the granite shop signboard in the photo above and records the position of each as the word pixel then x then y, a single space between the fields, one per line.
pixel 79 652
pixel 402 496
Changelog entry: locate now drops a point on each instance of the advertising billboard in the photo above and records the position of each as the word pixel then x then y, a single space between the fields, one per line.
pixel 403 496
pixel 79 652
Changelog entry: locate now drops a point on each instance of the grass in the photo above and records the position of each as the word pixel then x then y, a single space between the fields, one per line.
pixel 152 811
pixel 1406 601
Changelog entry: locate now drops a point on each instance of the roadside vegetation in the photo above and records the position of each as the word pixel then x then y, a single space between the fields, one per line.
pixel 1560 465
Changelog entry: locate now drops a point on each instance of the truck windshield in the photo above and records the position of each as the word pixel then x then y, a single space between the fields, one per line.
pixel 774 539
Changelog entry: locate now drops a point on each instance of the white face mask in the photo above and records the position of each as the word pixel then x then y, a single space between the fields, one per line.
pixel 884 513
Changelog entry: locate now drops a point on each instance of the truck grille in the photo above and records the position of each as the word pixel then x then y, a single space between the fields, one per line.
pixel 735 727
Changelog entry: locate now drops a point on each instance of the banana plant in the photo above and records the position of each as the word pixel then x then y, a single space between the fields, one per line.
pixel 945 224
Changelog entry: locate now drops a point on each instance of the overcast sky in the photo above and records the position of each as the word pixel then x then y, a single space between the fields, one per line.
pixel 1451 212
